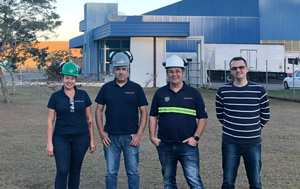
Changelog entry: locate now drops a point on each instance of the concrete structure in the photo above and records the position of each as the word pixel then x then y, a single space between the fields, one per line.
pixel 179 29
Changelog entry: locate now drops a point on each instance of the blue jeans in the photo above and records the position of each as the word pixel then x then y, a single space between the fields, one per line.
pixel 231 154
pixel 69 151
pixel 112 154
pixel 188 156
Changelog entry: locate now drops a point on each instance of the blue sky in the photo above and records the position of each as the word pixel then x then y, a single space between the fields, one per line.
pixel 71 13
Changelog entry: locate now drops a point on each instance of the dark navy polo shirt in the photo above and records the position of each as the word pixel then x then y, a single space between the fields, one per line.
pixel 177 112
pixel 122 103
pixel 68 122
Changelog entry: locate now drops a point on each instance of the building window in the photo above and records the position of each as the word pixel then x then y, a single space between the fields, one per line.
pixel 125 44
pixel 110 45
pixel 113 44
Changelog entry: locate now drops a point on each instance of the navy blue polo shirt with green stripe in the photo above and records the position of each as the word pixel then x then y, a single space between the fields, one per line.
pixel 177 112
pixel 122 103
pixel 68 121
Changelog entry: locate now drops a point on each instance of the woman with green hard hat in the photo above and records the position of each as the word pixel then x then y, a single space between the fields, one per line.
pixel 73 132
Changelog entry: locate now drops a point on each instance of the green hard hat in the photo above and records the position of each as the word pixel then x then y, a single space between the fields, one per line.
pixel 70 69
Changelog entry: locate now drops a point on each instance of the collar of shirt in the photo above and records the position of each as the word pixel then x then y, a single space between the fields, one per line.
pixel 126 84
pixel 184 87
pixel 63 92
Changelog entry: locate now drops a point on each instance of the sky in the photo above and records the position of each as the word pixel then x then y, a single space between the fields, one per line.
pixel 72 12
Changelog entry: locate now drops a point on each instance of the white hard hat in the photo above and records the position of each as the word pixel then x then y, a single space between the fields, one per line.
pixel 123 58
pixel 175 61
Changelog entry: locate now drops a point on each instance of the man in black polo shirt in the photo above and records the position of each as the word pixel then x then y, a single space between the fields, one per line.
pixel 123 129
pixel 176 107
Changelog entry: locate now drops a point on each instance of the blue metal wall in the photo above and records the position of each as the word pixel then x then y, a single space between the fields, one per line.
pixel 279 19
pixel 182 45
pixel 76 42
pixel 242 8
pixel 240 30
pixel 81 26
pixel 95 14
pixel 142 29
pixel 219 21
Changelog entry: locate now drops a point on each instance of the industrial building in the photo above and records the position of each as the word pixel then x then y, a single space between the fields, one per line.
pixel 189 28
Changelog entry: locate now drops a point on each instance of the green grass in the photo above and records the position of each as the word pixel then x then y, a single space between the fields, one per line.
pixel 24 163
pixel 288 94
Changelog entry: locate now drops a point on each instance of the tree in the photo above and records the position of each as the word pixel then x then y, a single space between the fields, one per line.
pixel 52 71
pixel 23 22
pixel 4 88
pixel 39 56
pixel 17 57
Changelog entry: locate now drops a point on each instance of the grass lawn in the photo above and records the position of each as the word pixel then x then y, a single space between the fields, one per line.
pixel 289 93
pixel 25 164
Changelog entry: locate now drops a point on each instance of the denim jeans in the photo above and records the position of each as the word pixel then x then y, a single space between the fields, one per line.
pixel 188 156
pixel 231 154
pixel 69 151
pixel 112 154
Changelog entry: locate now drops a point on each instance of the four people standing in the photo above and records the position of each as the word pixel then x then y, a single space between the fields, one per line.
pixel 175 108
pixel 123 129
pixel 243 109
pixel 177 115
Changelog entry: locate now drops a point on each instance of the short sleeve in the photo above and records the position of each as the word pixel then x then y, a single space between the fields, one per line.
pixel 52 102
pixel 201 110
pixel 154 105
pixel 88 100
pixel 100 99
pixel 142 97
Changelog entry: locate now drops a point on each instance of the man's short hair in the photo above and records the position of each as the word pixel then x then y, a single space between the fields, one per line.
pixel 236 59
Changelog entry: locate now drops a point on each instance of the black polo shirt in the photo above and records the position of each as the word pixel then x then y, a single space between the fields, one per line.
pixel 177 112
pixel 68 122
pixel 122 103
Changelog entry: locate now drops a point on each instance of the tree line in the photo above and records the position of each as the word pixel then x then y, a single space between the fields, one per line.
pixel 22 24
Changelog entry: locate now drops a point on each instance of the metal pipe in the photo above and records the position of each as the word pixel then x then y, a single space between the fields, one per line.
pixel 154 61
pixel 267 75
pixel 294 95
pixel 225 79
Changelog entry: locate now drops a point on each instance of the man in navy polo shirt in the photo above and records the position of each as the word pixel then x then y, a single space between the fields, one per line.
pixel 123 130
pixel 175 108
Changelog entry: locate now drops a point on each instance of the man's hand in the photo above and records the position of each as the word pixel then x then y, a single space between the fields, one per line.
pixel 155 141
pixel 105 139
pixel 136 138
pixel 191 141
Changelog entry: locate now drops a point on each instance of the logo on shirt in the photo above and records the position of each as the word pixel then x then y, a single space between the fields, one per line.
pixel 188 98
pixel 129 92
pixel 167 99
pixel 79 101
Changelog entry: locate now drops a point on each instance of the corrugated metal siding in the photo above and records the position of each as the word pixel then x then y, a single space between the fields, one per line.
pixel 134 19
pixel 280 19
pixel 81 26
pixel 102 32
pixel 182 45
pixel 143 29
pixel 243 8
pixel 76 42
pixel 151 29
pixel 218 29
